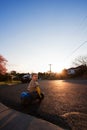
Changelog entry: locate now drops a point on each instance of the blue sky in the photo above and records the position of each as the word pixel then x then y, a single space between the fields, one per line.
pixel 36 33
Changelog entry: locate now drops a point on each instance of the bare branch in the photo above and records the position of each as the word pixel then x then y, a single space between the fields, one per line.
pixel 81 60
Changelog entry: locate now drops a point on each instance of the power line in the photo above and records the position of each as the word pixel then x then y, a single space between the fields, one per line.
pixel 80 25
pixel 77 48
pixel 84 19
pixel 83 24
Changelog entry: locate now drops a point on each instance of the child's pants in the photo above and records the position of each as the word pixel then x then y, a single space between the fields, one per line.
pixel 34 95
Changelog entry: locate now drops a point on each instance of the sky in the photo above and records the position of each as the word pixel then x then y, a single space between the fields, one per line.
pixel 36 33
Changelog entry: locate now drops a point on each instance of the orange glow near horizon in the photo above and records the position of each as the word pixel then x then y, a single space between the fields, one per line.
pixel 58 69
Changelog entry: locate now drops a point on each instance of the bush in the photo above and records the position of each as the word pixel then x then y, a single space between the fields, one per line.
pixel 3 77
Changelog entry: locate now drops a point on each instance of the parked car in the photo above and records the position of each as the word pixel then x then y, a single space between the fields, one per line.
pixel 26 78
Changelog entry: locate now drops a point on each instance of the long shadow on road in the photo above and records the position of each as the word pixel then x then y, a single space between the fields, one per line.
pixel 61 97
pixel 34 111
pixel 56 96
pixel 58 100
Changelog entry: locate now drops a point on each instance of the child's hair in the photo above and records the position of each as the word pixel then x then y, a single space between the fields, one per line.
pixel 34 74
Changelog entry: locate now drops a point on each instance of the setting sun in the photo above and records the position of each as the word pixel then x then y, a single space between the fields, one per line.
pixel 58 69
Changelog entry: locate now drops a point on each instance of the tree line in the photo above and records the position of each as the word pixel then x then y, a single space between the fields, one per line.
pixel 79 62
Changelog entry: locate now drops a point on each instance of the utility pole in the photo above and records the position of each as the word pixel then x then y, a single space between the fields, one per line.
pixel 50 67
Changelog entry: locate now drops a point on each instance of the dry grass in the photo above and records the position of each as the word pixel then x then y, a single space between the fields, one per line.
pixel 77 120
pixel 10 82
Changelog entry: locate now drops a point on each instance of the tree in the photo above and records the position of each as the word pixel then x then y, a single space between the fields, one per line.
pixel 13 72
pixel 3 62
pixel 81 60
pixel 81 66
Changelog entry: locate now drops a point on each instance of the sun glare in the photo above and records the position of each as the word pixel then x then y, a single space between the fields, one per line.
pixel 58 69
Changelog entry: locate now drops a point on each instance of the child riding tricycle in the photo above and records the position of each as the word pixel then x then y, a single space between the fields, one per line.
pixel 33 91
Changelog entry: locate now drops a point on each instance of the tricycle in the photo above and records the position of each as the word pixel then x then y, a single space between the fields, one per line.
pixel 29 98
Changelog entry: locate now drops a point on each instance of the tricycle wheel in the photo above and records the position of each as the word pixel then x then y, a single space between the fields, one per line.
pixel 24 102
pixel 42 96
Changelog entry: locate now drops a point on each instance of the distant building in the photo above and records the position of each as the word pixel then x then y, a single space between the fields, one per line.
pixel 74 70
pixel 71 71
